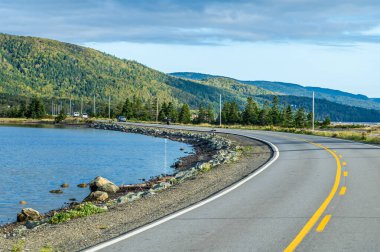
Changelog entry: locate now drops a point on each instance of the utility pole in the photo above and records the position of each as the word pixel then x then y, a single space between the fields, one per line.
pixel 94 106
pixel 220 110
pixel 109 107
pixel 157 110
pixel 313 120
pixel 52 109
pixel 70 107
pixel 81 106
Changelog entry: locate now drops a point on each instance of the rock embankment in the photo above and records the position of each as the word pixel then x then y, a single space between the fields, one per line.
pixel 220 151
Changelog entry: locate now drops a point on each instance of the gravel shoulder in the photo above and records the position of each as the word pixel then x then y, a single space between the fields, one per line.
pixel 85 232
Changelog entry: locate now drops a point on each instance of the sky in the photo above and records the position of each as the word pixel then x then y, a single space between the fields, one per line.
pixel 333 44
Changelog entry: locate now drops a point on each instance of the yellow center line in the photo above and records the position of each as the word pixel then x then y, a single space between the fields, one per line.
pixel 313 220
pixel 344 164
pixel 340 156
pixel 345 173
pixel 342 190
pixel 323 223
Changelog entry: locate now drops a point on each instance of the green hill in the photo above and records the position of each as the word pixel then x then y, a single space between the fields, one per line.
pixel 50 69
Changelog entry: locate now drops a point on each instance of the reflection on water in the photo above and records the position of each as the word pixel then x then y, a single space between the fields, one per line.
pixel 35 160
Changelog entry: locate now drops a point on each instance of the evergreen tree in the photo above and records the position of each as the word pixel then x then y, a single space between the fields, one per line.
pixel 162 115
pixel 275 115
pixel 61 116
pixel 287 117
pixel 300 118
pixel 127 109
pixel 310 119
pixel 172 112
pixel 210 114
pixel 225 112
pixel 234 113
pixel 36 109
pixel 264 115
pixel 184 114
pixel 202 114
pixel 22 111
pixel 250 113
pixel 326 122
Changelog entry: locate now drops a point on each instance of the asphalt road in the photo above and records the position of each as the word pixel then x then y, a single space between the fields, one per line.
pixel 316 183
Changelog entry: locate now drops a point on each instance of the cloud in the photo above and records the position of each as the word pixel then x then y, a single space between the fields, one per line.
pixel 194 22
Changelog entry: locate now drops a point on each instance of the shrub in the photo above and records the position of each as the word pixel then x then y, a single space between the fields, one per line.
pixel 79 211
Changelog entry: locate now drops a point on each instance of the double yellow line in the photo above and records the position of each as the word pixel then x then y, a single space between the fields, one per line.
pixel 313 220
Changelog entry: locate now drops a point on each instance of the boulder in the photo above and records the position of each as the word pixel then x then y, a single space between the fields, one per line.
pixel 82 185
pixel 28 214
pixel 97 196
pixel 64 185
pixel 103 184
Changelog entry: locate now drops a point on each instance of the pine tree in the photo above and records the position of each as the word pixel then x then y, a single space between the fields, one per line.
pixel 210 114
pixel 250 113
pixel 226 112
pixel 172 112
pixel 264 115
pixel 234 113
pixel 127 109
pixel 287 117
pixel 310 119
pixel 36 109
pixel 162 115
pixel 275 112
pixel 300 118
pixel 184 114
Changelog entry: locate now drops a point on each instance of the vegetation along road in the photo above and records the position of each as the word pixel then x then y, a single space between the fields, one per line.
pixel 317 194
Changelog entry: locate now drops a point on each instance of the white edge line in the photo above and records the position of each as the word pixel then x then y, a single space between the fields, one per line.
pixel 190 208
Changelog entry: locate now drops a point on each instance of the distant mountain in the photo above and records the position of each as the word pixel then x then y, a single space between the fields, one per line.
pixel 340 109
pixel 298 90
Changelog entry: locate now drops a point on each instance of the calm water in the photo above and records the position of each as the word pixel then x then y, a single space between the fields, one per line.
pixel 34 161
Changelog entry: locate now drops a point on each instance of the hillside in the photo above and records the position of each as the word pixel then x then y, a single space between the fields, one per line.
pixel 297 97
pixel 50 69
pixel 298 90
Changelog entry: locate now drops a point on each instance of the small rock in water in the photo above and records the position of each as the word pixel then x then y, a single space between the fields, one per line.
pixel 28 214
pixel 56 191
pixel 82 185
pixel 181 149
pixel 64 185
pixel 22 202
pixel 72 199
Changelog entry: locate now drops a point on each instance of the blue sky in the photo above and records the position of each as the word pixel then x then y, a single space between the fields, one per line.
pixel 334 44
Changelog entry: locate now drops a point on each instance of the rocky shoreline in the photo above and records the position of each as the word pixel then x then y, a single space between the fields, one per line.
pixel 120 218
pixel 210 151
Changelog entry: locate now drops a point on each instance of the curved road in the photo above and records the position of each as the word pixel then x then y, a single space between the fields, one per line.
pixel 321 194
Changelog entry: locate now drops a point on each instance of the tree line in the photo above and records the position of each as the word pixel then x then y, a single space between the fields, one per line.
pixel 270 113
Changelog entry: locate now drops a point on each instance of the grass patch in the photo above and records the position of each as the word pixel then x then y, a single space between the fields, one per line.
pixel 79 211
pixel 19 246
pixel 46 248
